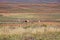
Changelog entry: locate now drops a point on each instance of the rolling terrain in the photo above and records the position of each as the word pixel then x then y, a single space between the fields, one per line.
pixel 20 21
pixel 29 8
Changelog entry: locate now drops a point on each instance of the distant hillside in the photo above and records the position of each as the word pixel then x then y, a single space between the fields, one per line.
pixel 29 8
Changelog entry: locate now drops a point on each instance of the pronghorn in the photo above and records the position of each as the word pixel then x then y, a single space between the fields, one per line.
pixel 39 21
pixel 26 21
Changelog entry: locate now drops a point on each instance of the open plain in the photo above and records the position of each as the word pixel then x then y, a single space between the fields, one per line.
pixel 29 21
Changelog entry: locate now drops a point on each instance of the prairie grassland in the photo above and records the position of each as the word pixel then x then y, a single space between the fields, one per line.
pixel 11 28
pixel 33 31
pixel 30 30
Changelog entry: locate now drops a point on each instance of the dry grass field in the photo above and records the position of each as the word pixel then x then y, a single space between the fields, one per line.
pixel 24 26
pixel 29 21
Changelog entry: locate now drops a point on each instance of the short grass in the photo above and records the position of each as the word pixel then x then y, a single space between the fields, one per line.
pixel 37 15
pixel 33 15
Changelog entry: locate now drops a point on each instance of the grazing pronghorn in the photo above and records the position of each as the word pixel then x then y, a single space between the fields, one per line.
pixel 26 21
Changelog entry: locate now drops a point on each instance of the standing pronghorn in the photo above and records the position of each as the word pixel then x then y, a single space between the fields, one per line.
pixel 39 21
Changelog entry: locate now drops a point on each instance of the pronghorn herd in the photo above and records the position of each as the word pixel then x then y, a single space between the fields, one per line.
pixel 27 22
